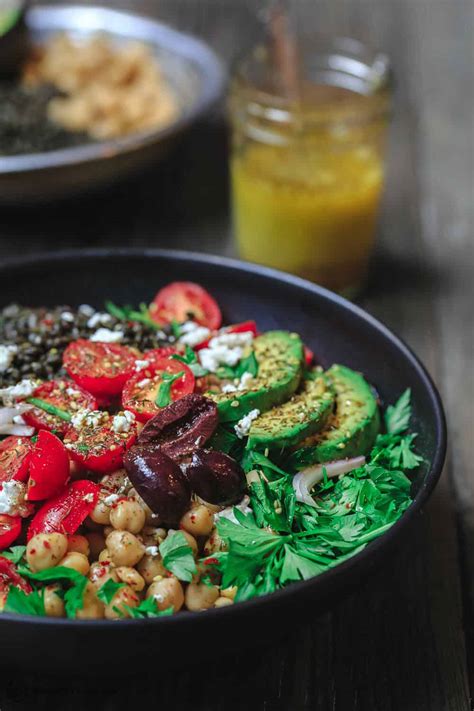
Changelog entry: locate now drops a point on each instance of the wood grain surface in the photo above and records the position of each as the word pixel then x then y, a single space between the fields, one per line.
pixel 404 640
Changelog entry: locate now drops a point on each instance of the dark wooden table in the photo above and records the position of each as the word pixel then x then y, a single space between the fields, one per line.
pixel 404 641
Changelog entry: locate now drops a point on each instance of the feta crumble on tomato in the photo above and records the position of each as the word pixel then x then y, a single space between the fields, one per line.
pixel 123 422
pixel 192 334
pixel 225 349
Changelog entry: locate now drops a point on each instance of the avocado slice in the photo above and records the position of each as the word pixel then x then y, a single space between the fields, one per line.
pixel 352 429
pixel 304 414
pixel 280 365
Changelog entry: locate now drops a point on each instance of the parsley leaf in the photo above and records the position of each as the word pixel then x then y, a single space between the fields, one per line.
pixel 191 360
pixel 163 397
pixel 107 591
pixel 22 603
pixel 127 313
pixel 15 554
pixel 74 596
pixel 397 417
pixel 178 556
pixel 147 608
pixel 225 440
pixel 249 364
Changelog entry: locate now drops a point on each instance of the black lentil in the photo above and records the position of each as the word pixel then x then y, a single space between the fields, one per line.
pixel 41 336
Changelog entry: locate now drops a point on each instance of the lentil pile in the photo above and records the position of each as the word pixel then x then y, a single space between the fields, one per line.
pixel 41 336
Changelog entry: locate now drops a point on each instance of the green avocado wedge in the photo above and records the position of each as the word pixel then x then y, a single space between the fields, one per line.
pixel 280 366
pixel 351 430
pixel 305 413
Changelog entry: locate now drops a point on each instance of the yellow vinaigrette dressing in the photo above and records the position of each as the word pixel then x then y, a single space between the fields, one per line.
pixel 306 183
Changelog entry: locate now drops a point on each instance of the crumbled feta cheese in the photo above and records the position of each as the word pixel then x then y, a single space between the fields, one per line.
pixel 152 550
pixel 99 319
pixel 86 310
pixel 143 383
pixel 72 392
pixel 192 333
pixel 105 335
pixel 229 388
pixel 224 349
pixel 7 354
pixel 158 597
pixel 67 316
pixel 111 499
pixel 141 364
pixel 228 512
pixel 22 389
pixel 123 421
pixel 245 381
pixel 88 498
pixel 88 418
pixel 242 428
pixel 12 498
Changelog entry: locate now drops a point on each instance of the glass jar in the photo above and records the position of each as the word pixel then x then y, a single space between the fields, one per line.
pixel 307 169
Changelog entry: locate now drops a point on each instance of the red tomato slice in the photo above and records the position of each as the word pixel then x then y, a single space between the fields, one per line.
pixel 49 467
pixel 182 300
pixel 15 455
pixel 64 394
pixel 159 353
pixel 234 328
pixel 141 391
pixel 100 368
pixel 10 529
pixel 308 355
pixel 10 576
pixel 66 512
pixel 99 447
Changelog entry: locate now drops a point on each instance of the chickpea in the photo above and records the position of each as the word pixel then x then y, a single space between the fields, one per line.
pixel 150 566
pixel 76 561
pixel 92 608
pixel 117 606
pixel 191 540
pixel 130 576
pixel 153 536
pixel 53 604
pixel 96 544
pixel 167 592
pixel 100 513
pixel 198 521
pixel 214 544
pixel 230 593
pixel 223 602
pixel 124 548
pixel 99 573
pixel 150 517
pixel 78 544
pixel 104 556
pixel 45 550
pixel 200 597
pixel 127 515
pixel 117 481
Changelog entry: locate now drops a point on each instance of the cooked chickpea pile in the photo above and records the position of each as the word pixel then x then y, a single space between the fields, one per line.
pixel 120 543
pixel 108 91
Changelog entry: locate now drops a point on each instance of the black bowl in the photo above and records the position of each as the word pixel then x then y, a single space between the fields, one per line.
pixel 335 329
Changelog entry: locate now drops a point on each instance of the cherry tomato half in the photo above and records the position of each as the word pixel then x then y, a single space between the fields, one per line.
pixel 308 355
pixel 182 300
pixel 49 467
pixel 10 529
pixel 66 512
pixel 141 393
pixel 63 394
pixel 15 455
pixel 10 576
pixel 99 447
pixel 100 368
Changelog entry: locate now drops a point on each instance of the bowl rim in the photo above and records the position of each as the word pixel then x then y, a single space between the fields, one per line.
pixel 339 571
pixel 186 45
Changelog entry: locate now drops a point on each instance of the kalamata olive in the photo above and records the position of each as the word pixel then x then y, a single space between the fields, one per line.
pixel 182 426
pixel 159 481
pixel 215 477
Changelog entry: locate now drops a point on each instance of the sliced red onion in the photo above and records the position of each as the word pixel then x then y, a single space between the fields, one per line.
pixel 307 478
pixel 8 413
pixel 17 430
pixel 12 423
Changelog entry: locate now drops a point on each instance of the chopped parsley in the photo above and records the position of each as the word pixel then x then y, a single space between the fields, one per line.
pixel 178 556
